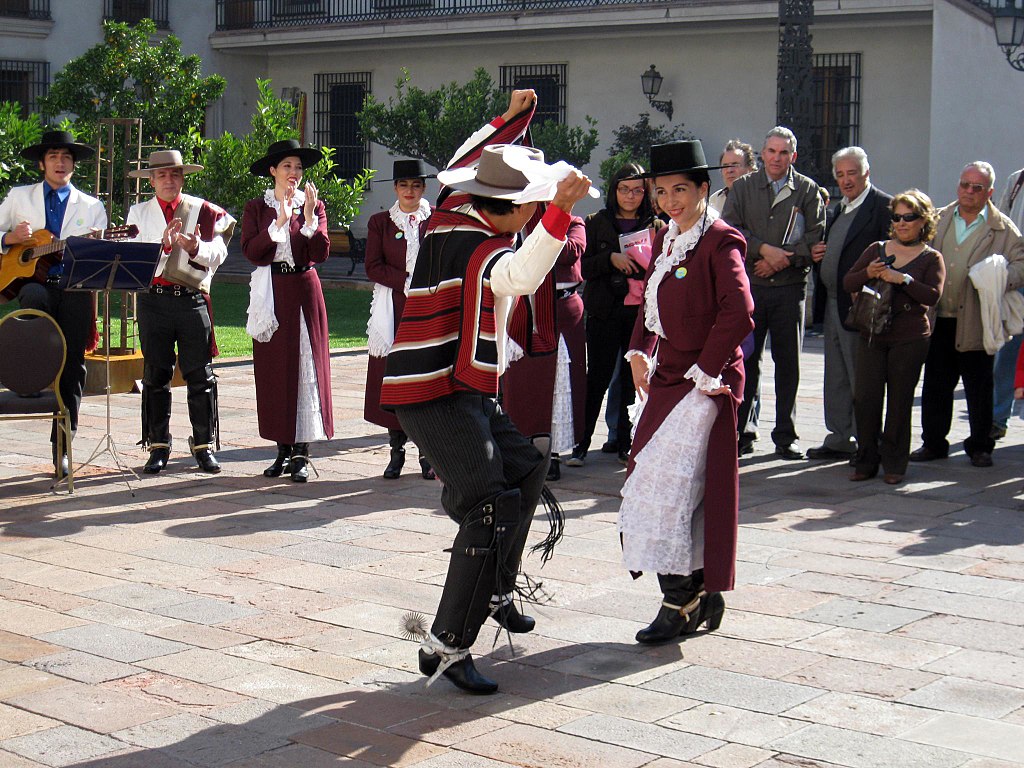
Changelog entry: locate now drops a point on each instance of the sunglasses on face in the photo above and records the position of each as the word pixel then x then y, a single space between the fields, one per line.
pixel 975 188
pixel 907 217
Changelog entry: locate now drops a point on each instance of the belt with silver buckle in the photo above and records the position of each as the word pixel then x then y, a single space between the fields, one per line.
pixel 284 268
pixel 172 290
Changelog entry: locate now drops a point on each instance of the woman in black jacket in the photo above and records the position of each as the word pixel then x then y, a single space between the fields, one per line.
pixel 611 307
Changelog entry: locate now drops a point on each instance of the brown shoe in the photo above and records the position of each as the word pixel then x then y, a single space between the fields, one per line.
pixel 893 479
pixel 858 476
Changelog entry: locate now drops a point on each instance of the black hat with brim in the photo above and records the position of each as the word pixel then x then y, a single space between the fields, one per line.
pixel 58 140
pixel 409 169
pixel 279 150
pixel 677 157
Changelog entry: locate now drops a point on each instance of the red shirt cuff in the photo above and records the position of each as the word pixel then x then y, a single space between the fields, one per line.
pixel 556 222
pixel 498 122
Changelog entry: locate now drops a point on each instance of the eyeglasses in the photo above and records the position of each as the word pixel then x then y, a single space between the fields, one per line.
pixel 975 188
pixel 907 217
pixel 630 192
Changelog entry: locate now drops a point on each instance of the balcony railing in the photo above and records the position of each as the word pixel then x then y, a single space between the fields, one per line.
pixel 134 11
pixel 26 9
pixel 264 14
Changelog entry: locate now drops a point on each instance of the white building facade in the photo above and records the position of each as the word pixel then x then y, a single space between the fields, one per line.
pixel 920 84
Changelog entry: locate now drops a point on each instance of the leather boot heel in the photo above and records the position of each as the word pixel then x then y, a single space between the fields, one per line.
pixel 712 611
pixel 394 467
pixel 428 662
pixel 281 463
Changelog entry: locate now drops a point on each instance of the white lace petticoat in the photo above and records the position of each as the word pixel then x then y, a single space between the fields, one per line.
pixel 661 518
pixel 309 422
pixel 563 438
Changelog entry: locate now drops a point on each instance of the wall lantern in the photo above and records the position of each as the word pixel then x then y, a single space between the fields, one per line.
pixel 651 82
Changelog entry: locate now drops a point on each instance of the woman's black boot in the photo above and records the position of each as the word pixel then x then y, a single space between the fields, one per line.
pixel 554 468
pixel 300 462
pixel 680 610
pixel 426 470
pixel 396 439
pixel 281 463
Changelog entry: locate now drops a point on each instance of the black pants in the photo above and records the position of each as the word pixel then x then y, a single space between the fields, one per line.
pixel 73 311
pixel 943 369
pixel 479 455
pixel 886 371
pixel 167 322
pixel 778 310
pixel 607 341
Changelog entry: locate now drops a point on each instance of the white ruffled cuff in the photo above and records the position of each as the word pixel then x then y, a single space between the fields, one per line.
pixel 277 234
pixel 308 230
pixel 704 382
pixel 645 357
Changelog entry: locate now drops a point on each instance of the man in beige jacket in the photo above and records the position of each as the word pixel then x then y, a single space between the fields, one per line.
pixel 968 231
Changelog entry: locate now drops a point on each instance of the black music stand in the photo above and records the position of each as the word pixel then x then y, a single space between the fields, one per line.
pixel 104 265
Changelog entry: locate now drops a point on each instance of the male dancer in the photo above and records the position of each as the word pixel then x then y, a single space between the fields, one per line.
pixel 442 372
pixel 58 207
pixel 195 236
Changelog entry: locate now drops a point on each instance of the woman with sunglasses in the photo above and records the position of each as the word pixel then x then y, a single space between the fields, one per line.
pixel 611 298
pixel 889 364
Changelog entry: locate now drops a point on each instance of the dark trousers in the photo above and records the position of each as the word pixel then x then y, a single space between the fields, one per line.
pixel 479 456
pixel 73 311
pixel 886 371
pixel 779 311
pixel 168 322
pixel 607 341
pixel 943 369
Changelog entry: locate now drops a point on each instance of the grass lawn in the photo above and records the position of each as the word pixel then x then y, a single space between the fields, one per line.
pixel 347 312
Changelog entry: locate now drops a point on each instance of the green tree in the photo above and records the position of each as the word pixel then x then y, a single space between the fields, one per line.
pixel 16 133
pixel 128 76
pixel 633 143
pixel 225 178
pixel 431 125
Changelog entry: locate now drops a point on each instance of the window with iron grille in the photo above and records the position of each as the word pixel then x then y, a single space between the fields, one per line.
pixel 548 80
pixel 337 99
pixel 24 82
pixel 25 9
pixel 298 7
pixel 836 108
pixel 134 11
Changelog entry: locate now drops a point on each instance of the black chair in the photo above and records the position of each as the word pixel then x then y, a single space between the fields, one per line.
pixel 32 356
pixel 357 252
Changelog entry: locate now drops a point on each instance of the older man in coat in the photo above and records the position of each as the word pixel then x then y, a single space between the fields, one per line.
pixel 855 222
pixel 969 230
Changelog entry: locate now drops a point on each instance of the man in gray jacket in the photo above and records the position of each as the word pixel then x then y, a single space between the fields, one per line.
pixel 781 214
pixel 968 231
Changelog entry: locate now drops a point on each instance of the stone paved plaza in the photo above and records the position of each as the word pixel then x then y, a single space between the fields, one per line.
pixel 236 621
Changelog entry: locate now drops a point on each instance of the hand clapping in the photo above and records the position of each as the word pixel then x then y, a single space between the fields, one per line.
pixel 309 209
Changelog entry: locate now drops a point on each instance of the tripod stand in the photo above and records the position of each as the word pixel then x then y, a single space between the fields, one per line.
pixel 100 265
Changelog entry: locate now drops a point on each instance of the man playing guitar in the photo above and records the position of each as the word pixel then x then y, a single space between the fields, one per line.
pixel 175 311
pixel 58 207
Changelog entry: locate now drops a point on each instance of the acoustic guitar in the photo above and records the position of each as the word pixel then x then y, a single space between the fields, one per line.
pixel 29 262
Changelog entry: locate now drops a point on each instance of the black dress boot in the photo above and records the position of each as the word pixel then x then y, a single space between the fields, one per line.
pixel 300 462
pixel 678 613
pixel 159 453
pixel 426 470
pixel 509 617
pixel 60 463
pixel 396 439
pixel 463 673
pixel 282 463
pixel 202 412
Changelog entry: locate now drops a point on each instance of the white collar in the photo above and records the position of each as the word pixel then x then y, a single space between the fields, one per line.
pixel 854 204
